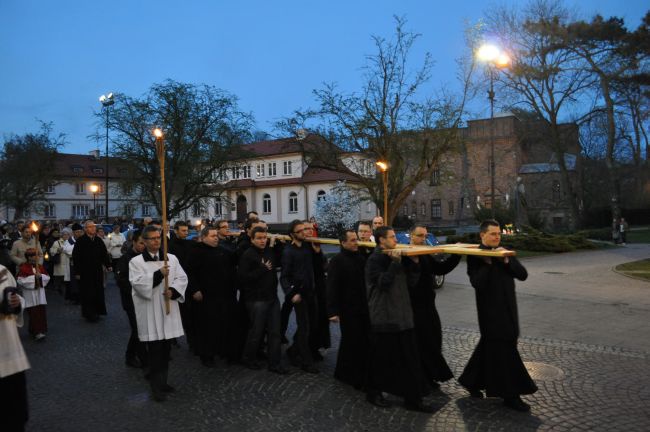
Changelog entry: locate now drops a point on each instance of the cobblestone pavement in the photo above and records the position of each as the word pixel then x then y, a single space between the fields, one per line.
pixel 78 382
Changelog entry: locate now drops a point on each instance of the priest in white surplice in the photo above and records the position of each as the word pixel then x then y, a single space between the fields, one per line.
pixel 155 328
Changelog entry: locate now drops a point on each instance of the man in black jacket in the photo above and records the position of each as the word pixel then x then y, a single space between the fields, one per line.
pixel 258 282
pixel 136 353
pixel 211 277
pixel 395 365
pixel 180 247
pixel 495 365
pixel 297 279
pixel 428 329
pixel 347 305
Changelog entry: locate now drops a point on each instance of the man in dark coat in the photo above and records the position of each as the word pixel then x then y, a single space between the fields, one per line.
pixel 320 335
pixel 364 231
pixel 90 256
pixel 136 352
pixel 226 241
pixel 211 281
pixel 180 247
pixel 495 365
pixel 258 282
pixel 347 305
pixel 428 329
pixel 297 279
pixel 395 365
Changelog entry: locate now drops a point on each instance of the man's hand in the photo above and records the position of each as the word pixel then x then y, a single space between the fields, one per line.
pixel 198 296
pixel 296 299
pixel 272 242
pixel 268 264
pixel 505 258
pixel 316 247
pixel 14 300
pixel 164 270
pixel 334 318
pixel 168 293
pixel 395 254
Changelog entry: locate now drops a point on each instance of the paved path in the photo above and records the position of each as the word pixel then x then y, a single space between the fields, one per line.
pixel 78 381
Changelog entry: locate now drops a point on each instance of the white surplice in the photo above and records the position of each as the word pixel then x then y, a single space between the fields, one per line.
pixel 12 355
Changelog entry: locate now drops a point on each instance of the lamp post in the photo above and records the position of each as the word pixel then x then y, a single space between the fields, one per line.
pixel 94 189
pixel 495 59
pixel 107 100
pixel 383 167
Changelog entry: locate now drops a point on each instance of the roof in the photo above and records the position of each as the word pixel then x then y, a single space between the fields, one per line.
pixel 86 166
pixel 282 145
pixel 311 175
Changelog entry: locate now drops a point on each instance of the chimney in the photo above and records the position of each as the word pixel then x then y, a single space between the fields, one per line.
pixel 94 154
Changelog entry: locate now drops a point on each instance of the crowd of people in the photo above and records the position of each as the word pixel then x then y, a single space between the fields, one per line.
pixel 220 291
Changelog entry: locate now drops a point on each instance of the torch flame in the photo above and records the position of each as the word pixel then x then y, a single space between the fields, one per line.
pixel 34 227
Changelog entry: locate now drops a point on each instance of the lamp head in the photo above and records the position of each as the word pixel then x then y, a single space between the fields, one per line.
pixel 383 166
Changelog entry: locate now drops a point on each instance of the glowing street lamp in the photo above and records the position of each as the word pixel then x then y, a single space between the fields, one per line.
pixel 495 59
pixel 94 189
pixel 383 168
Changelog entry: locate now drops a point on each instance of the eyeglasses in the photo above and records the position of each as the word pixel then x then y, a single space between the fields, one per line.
pixel 151 238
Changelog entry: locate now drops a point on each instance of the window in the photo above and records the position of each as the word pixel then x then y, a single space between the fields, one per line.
pixel 451 207
pixel 80 188
pixel 246 171
pixel 98 170
pixel 405 210
pixel 435 177
pixel 127 189
pixel 556 191
pixel 100 210
pixel 320 195
pixel 235 173
pixel 436 210
pixel 196 210
pixel 423 209
pixel 272 169
pixel 49 189
pixel 219 175
pixel 266 203
pixel 49 211
pixel 128 210
pixel 414 208
pixel 260 170
pixel 218 207
pixel 77 170
pixel 101 188
pixel 287 168
pixel 79 211
pixel 293 202
pixel 146 210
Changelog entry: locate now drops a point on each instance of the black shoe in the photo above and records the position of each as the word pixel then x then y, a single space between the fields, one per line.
pixel 516 404
pixel 279 370
pixel 475 393
pixel 168 389
pixel 378 400
pixel 133 362
pixel 208 362
pixel 253 365
pixel 419 407
pixel 310 369
pixel 294 358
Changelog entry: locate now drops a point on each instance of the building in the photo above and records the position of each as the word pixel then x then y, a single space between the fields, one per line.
pixel 527 176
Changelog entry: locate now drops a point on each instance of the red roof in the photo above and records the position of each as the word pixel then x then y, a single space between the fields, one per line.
pixel 282 145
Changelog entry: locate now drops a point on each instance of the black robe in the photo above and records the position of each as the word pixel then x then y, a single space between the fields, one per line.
pixel 495 364
pixel 320 336
pixel 346 298
pixel 89 256
pixel 428 329
pixel 211 271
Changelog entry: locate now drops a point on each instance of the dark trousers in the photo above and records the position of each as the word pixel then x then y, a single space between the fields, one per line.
pixel 287 307
pixel 13 399
pixel 37 320
pixel 263 316
pixel 306 316
pixel 158 363
pixel 135 348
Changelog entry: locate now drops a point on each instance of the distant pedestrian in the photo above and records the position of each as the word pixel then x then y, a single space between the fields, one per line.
pixel 115 242
pixel 623 228
pixel 61 262
pixel 495 365
pixel 616 231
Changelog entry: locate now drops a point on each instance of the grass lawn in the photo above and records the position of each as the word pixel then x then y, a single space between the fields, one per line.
pixel 639 269
pixel 639 236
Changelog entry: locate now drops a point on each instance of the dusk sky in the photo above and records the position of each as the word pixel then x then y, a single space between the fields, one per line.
pixel 58 57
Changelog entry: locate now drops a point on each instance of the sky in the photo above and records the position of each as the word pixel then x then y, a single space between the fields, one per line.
pixel 58 57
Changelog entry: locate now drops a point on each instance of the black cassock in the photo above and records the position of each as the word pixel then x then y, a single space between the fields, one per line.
pixel 89 256
pixel 211 271
pixel 495 365
pixel 346 297
pixel 428 330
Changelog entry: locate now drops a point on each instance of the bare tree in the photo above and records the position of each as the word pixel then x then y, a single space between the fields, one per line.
pixel 26 168
pixel 204 130
pixel 386 120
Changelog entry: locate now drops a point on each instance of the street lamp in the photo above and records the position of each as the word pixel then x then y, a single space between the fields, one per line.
pixel 107 100
pixel 495 58
pixel 383 167
pixel 94 189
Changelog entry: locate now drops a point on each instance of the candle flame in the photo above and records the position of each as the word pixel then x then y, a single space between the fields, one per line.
pixel 34 227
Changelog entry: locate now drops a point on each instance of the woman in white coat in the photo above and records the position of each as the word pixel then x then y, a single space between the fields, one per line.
pixel 62 266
